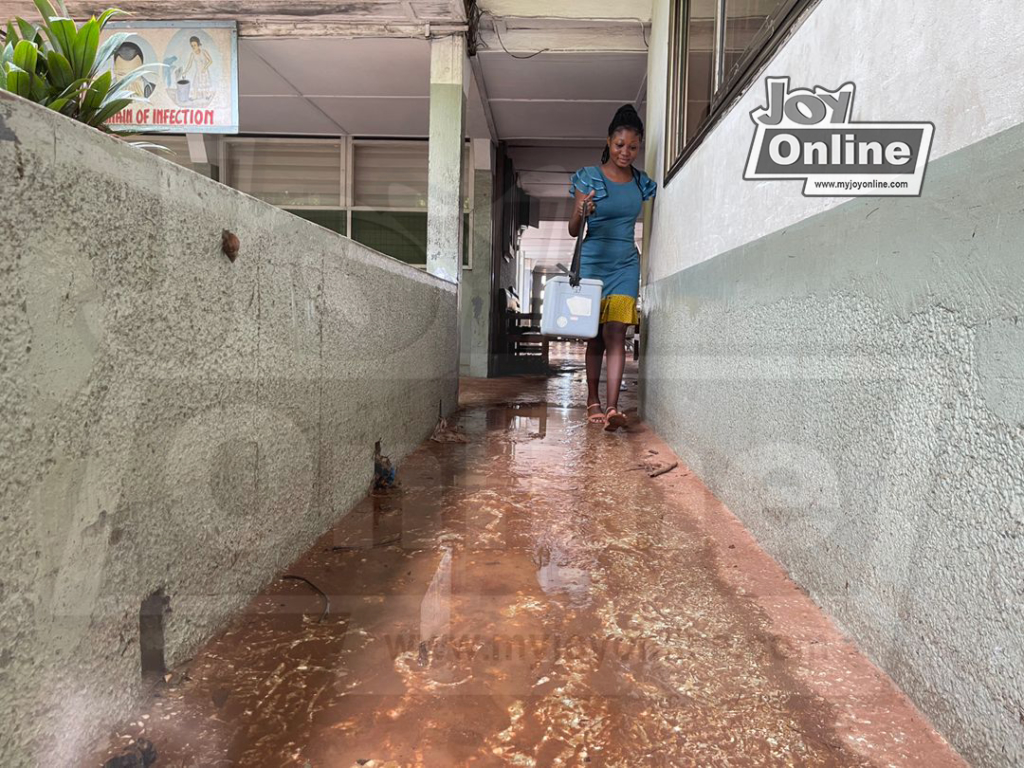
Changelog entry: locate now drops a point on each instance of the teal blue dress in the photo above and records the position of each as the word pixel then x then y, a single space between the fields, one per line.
pixel 609 250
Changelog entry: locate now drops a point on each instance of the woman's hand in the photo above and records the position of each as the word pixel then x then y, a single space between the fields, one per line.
pixel 586 206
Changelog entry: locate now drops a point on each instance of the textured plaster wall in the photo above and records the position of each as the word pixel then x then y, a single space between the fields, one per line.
pixel 170 420
pixel 959 65
pixel 853 388
pixel 476 282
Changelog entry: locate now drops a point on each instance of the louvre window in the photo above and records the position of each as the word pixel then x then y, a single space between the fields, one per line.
pixel 387 207
pixel 390 175
pixel 288 172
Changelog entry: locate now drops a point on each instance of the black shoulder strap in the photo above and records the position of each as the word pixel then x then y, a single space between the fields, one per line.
pixel 574 269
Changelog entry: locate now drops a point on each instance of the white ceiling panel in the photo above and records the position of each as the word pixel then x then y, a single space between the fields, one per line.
pixel 256 77
pixel 581 76
pixel 551 119
pixel 285 115
pixel 379 117
pixel 332 67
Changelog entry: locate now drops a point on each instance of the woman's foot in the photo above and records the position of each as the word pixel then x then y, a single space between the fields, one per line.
pixel 595 417
pixel 614 419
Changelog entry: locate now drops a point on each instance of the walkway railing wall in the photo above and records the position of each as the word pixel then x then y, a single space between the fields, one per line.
pixel 175 427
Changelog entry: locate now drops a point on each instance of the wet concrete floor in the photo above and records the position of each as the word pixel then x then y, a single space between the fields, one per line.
pixel 534 598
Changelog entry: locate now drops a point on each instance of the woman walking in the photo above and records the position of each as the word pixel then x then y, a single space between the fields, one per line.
pixel 611 194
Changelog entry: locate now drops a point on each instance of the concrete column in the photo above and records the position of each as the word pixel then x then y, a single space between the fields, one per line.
pixel 476 282
pixel 448 90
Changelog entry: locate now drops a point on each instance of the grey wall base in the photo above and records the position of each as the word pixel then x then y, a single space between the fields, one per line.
pixel 853 388
pixel 170 420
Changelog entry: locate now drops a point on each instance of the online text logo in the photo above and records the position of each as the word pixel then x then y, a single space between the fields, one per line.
pixel 805 134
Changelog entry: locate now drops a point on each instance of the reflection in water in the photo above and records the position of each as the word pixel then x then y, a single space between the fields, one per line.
pixel 555 576
pixel 525 599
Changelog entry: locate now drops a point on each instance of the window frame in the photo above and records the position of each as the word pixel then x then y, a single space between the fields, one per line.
pixel 225 163
pixel 726 92
pixel 468 173
pixel 347 160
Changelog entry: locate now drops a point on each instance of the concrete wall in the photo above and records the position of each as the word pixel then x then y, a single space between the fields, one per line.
pixel 849 375
pixel 170 420
pixel 961 67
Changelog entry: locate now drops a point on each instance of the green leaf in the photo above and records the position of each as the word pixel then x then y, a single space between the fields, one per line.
pixel 38 90
pixel 109 110
pixel 155 147
pixel 97 92
pixel 63 35
pixel 135 74
pixel 28 31
pixel 105 16
pixel 84 55
pixel 59 69
pixel 45 10
pixel 18 80
pixel 25 55
pixel 74 89
pixel 12 34
pixel 58 104
pixel 111 44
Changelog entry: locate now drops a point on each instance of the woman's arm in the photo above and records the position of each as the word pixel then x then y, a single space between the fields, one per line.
pixel 582 202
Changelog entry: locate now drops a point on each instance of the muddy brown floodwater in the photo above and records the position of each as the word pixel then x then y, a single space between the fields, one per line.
pixel 534 598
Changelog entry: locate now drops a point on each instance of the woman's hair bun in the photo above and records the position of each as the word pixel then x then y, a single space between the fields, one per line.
pixel 626 117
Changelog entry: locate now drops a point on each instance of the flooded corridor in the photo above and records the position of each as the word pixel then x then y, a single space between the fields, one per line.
pixel 534 597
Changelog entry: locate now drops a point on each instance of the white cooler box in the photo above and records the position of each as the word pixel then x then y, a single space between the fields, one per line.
pixel 571 312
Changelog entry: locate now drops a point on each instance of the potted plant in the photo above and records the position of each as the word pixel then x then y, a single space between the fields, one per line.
pixel 63 66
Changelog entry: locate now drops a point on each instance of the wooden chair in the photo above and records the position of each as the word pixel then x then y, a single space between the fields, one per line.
pixel 525 342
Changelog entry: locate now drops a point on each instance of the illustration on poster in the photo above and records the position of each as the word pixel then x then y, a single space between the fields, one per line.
pixel 128 57
pixel 190 79
pixel 194 69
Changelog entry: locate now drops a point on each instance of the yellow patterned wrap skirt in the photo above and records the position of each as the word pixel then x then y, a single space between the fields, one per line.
pixel 619 309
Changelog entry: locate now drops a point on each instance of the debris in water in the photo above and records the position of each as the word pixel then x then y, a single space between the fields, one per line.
pixel 383 470
pixel 443 432
pixel 327 600
pixel 657 469
pixel 140 754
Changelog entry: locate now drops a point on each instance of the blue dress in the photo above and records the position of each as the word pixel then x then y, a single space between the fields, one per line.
pixel 609 250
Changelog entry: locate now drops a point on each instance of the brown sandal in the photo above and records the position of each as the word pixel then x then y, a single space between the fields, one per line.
pixel 615 420
pixel 595 418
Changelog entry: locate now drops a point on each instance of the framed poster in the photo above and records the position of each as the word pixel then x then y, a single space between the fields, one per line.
pixel 195 88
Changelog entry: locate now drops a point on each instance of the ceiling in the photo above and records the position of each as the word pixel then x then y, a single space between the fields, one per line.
pixel 546 77
pixel 545 86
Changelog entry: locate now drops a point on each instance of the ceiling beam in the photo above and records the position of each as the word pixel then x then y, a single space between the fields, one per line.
pixel 485 100
pixel 522 40
pixel 285 29
pixel 318 18
pixel 574 9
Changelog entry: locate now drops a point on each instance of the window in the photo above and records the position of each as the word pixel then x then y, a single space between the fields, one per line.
pixel 372 191
pixel 288 172
pixel 716 49
pixel 389 199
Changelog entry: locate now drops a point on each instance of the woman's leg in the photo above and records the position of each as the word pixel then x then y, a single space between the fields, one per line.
pixel 614 335
pixel 595 355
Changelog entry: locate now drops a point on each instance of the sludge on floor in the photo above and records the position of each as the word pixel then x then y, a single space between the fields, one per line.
pixel 534 598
